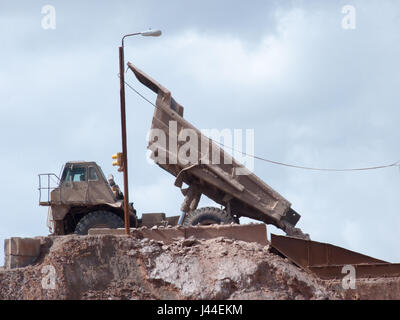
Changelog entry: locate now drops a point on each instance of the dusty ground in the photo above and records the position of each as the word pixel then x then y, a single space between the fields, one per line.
pixel 121 267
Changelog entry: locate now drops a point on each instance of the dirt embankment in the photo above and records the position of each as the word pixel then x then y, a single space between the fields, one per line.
pixel 385 288
pixel 121 267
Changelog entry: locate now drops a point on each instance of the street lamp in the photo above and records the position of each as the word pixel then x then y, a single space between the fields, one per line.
pixel 148 33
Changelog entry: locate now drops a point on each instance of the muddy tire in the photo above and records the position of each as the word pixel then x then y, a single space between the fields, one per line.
pixel 98 219
pixel 207 216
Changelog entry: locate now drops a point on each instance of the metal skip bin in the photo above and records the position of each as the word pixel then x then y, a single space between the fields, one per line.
pixel 327 261
pixel 210 170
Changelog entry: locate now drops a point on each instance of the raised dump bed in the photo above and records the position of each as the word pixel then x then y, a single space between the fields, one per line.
pixel 194 161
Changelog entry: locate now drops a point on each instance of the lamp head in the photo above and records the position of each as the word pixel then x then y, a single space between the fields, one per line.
pixel 151 33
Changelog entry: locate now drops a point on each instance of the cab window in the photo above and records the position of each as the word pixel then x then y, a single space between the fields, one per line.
pixel 93 174
pixel 74 174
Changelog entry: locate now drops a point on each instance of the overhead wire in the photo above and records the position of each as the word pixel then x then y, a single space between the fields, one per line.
pixel 394 164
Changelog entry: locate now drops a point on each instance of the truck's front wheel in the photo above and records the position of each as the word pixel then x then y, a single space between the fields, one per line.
pixel 98 219
pixel 207 216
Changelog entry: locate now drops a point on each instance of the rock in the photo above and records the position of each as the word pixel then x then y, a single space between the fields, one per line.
pixel 189 242
pixel 131 252
pixel 115 267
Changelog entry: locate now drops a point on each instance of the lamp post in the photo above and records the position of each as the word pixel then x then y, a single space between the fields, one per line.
pixel 149 33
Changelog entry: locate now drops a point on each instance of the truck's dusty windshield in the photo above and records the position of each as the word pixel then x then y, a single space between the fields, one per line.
pixel 74 174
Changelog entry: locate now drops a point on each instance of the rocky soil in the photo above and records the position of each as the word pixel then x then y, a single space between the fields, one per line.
pixel 124 267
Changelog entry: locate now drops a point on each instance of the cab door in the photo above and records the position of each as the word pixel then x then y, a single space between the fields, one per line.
pixel 99 190
pixel 74 185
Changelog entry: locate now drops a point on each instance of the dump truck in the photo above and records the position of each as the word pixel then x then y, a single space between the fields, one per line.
pixel 83 198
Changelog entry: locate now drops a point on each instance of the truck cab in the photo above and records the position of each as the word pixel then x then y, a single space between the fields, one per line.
pixel 82 199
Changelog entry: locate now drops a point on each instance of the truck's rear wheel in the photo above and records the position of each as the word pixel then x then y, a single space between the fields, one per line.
pixel 207 216
pixel 98 219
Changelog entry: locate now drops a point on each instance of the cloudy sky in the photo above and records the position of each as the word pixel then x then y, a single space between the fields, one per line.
pixel 315 93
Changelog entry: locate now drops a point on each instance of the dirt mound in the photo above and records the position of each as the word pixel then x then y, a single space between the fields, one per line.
pixel 121 267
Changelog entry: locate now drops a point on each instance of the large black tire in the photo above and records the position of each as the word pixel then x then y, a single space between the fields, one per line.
pixel 98 219
pixel 207 216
